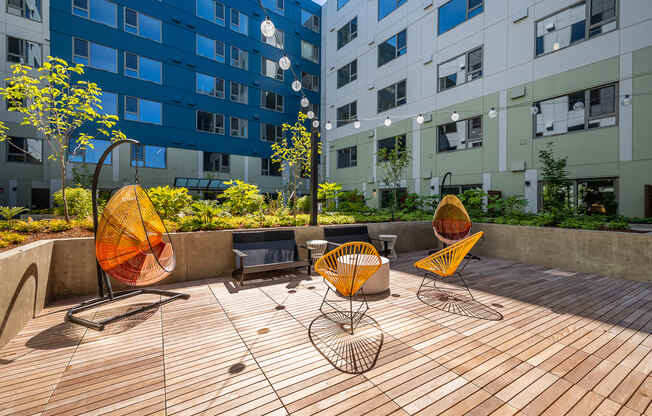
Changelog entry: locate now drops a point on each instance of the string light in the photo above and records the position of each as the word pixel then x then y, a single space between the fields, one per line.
pixel 296 85
pixel 534 110
pixel 493 113
pixel 356 123
pixel 329 125
pixel 284 63
pixel 627 100
pixel 311 114
pixel 420 119
pixel 267 27
pixel 388 122
pixel 305 102
pixel 578 106
pixel 455 116
pixel 315 123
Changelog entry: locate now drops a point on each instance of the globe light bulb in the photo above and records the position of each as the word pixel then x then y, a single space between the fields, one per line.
pixel 311 114
pixel 329 125
pixel 493 113
pixel 267 27
pixel 420 119
pixel 534 110
pixel 578 106
pixel 315 123
pixel 305 102
pixel 455 116
pixel 356 124
pixel 284 63
pixel 627 100
pixel 296 85
pixel 388 122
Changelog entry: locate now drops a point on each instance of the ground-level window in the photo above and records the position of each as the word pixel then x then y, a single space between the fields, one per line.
pixel 21 149
pixel 148 156
pixel 387 197
pixel 347 157
pixel 458 189
pixel 588 196
pixel 270 168
pixel 217 162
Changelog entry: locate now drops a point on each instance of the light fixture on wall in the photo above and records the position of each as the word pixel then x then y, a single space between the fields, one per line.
pixel 388 122
pixel 284 63
pixel 420 119
pixel 356 123
pixel 329 125
pixel 627 100
pixel 493 113
pixel 455 116
pixel 315 123
pixel 311 114
pixel 534 110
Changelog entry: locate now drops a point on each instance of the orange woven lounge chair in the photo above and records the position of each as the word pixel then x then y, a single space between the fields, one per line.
pixel 446 262
pixel 345 270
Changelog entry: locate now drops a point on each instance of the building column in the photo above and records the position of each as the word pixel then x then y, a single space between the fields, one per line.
pixel 434 185
pixel 416 156
pixel 115 156
pixel 200 164
pixel 486 187
pixel 246 168
pixel 502 131
pixel 374 156
pixel 625 123
pixel 531 191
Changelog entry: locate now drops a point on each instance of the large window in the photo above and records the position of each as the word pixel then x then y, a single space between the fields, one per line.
pixel 347 33
pixel 310 81
pixel 568 26
pixel 239 127
pixel 392 96
pixel 271 133
pixel 108 103
pixel 277 41
pixel 271 101
pixel 24 52
pixel 25 8
pixel 239 93
pixel 309 51
pixel 211 10
pixel 239 58
pixel 209 48
pixel 571 113
pixel 271 69
pixel 277 6
pixel 95 55
pixel 385 7
pixel 392 48
pixel 270 168
pixel 24 150
pixel 142 25
pixel 588 196
pixel 461 135
pixel 146 111
pixel 239 22
pixel 348 73
pixel 347 157
pixel 217 162
pixel 143 68
pixel 309 21
pixel 210 122
pixel 210 85
pixel 389 144
pixel 461 69
pixel 148 156
pixel 101 11
pixel 455 12
pixel 88 155
pixel 347 113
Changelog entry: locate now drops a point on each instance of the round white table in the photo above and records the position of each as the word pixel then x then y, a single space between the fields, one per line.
pixel 378 282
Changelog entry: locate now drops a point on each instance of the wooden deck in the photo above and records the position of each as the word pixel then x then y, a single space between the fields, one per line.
pixel 566 344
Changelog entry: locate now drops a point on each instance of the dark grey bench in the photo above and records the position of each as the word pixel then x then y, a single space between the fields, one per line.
pixel 262 251
pixel 337 236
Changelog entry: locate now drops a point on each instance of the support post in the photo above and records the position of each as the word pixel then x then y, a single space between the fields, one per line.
pixel 314 176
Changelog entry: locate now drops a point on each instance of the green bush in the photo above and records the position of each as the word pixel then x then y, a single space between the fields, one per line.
pixel 169 202
pixel 303 203
pixel 26 227
pixel 80 203
pixel 242 198
pixel 10 212
pixel 352 201
pixel 12 238
pixel 56 226
pixel 85 223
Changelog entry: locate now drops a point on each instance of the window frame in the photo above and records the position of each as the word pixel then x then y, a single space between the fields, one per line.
pixel 89 49
pixel 396 99
pixel 24 11
pixel 88 12
pixel 466 18
pixel 351 36
pixel 239 25
pixel 215 55
pixel 314 79
pixel 399 3
pixel 351 76
pixel 138 66
pixel 231 119
pixel 263 97
pixel 278 132
pixel 397 141
pixel 342 122
pixel 215 19
pixel 468 136
pixel 137 33
pixel 351 156
pixel 397 49
pixel 144 160
pixel 82 154
pixel 222 157
pixel 24 45
pixel 21 152
pixel 264 38
pixel 215 82
pixel 312 18
pixel 267 171
pixel 574 183
pixel 214 117
pixel 466 55
pixel 245 93
pixel 314 48
pixel 138 120
pixel 240 52
pixel 263 60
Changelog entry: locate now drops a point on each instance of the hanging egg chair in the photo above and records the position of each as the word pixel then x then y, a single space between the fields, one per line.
pixel 132 244
pixel 451 222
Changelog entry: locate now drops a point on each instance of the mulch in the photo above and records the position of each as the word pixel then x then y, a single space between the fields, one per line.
pixel 74 233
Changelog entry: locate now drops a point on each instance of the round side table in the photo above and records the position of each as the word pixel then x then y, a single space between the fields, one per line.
pixel 391 243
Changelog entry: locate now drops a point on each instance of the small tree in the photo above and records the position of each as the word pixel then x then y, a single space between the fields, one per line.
pixel 393 162
pixel 242 197
pixel 327 193
pixel 555 178
pixel 294 154
pixel 58 106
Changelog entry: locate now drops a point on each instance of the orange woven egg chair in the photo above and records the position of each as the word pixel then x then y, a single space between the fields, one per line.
pixel 451 222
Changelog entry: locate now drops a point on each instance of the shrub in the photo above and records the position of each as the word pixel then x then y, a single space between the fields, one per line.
pixel 303 203
pixel 169 202
pixel 242 198
pixel 56 226
pixel 10 212
pixel 29 227
pixel 86 223
pixel 80 203
pixel 326 193
pixel 512 205
pixel 352 201
pixel 12 238
pixel 5 226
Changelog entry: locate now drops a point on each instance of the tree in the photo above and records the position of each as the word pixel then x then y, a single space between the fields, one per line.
pixel 555 180
pixel 294 154
pixel 393 162
pixel 58 106
pixel 327 193
pixel 242 197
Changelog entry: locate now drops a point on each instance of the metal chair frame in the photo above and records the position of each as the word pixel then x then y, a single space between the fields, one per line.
pixel 435 277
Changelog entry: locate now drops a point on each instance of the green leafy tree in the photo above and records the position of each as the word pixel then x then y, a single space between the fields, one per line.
pixel 79 202
pixel 294 154
pixel 555 180
pixel 169 202
pixel 242 198
pixel 8 213
pixel 54 101
pixel 327 192
pixel 393 162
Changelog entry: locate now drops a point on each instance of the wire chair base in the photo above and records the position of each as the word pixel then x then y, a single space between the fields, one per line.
pixel 347 318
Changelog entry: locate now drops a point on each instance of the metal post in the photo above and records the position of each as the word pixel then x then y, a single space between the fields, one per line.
pixel 314 176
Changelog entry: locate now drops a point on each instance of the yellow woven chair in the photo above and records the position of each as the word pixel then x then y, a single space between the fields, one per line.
pixel 446 262
pixel 345 270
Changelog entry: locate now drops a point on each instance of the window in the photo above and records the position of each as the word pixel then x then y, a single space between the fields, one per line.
pixel 461 135
pixel 341 3
pixel 101 11
pixel 24 150
pixel 269 168
pixel 392 96
pixel 24 52
pixel 348 73
pixel 239 22
pixel 347 157
pixel 88 155
pixel 217 162
pixel 25 8
pixel 239 58
pixel 603 17
pixel 239 127
pixel 210 122
pixel 387 197
pixel 271 101
pixel 570 113
pixel 109 103
pixel 271 69
pixel 458 189
pixel 347 33
pixel 271 133
pixel 388 144
pixel 460 70
pixel 148 156
pixel 239 93
pixel 310 21
pixel 143 68
pixel 309 51
pixel 392 48
pixel 310 81
pixel 277 41
pixel 139 109
pixel 588 196
pixel 209 85
pixel 347 114
pixel 211 10
pixel 385 7
pixel 142 25
pixel 277 6
pixel 95 55
pixel 456 12
pixel 211 49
